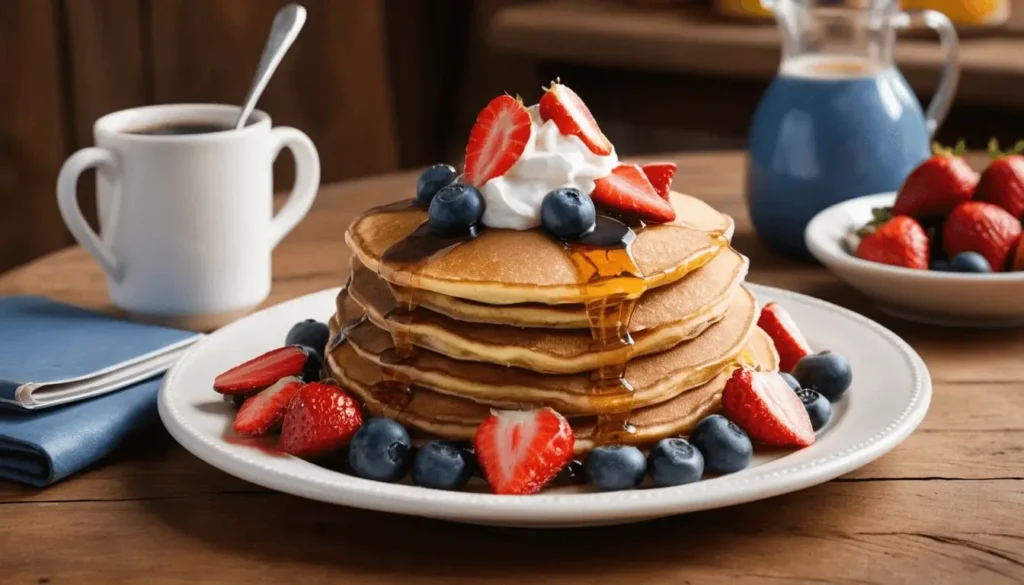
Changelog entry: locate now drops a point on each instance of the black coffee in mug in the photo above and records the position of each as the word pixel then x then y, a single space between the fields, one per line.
pixel 179 129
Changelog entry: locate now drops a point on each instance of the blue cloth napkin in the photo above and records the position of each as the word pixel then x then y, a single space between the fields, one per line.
pixel 52 353
pixel 42 447
pixel 74 384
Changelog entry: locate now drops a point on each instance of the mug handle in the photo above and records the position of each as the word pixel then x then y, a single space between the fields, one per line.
pixel 105 162
pixel 950 77
pixel 307 180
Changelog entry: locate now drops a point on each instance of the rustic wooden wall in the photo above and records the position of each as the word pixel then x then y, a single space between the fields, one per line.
pixel 63 63
pixel 33 128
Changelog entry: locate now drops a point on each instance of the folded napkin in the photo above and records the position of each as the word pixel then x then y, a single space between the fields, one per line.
pixel 43 447
pixel 75 384
pixel 52 353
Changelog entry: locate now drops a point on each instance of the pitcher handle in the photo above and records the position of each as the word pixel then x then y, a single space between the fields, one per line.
pixel 937 110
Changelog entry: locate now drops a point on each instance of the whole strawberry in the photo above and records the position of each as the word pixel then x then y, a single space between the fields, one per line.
pixel 985 228
pixel 1002 182
pixel 901 241
pixel 1017 263
pixel 937 185
pixel 320 419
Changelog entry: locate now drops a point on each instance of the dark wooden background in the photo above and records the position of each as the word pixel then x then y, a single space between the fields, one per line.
pixel 375 83
pixel 378 85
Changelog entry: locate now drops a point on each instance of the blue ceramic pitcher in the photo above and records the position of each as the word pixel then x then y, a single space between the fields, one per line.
pixel 839 120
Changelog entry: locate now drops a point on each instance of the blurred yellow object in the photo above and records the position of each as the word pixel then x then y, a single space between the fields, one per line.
pixel 742 9
pixel 961 12
pixel 971 12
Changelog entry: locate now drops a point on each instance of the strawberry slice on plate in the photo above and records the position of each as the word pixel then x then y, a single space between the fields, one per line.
pixel 628 191
pixel 320 418
pixel 573 117
pixel 765 406
pixel 262 371
pixel 520 451
pixel 497 140
pixel 788 340
pixel 660 175
pixel 262 413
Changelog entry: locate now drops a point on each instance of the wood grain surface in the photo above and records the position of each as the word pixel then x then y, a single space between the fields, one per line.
pixel 943 507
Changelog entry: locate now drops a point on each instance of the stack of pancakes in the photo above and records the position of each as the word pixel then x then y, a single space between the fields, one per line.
pixel 631 343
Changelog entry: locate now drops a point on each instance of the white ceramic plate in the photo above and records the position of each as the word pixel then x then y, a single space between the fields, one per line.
pixel 889 397
pixel 938 298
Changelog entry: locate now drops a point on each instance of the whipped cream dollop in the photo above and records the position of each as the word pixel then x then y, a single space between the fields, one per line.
pixel 550 160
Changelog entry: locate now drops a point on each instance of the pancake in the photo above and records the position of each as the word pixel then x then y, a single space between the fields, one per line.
pixel 454 418
pixel 666 317
pixel 668 303
pixel 501 267
pixel 654 378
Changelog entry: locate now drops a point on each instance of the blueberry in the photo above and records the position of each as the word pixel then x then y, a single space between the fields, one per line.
pixel 441 466
pixel 455 208
pixel 314 364
pixel 819 409
pixel 616 467
pixel 790 380
pixel 725 447
pixel 940 266
pixel 828 373
pixel 310 333
pixel 567 213
pixel 433 180
pixel 675 462
pixel 969 262
pixel 381 450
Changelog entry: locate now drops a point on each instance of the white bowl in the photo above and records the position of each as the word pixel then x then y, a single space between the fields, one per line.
pixel 938 298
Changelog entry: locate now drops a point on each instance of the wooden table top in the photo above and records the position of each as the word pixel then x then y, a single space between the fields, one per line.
pixel 943 507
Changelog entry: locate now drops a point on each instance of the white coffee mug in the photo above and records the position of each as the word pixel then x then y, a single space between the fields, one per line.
pixel 186 220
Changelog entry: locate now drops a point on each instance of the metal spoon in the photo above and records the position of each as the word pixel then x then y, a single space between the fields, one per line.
pixel 287 23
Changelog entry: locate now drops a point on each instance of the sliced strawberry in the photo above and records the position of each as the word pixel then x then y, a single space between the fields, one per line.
pixel 660 175
pixel 260 372
pixel 262 414
pixel 497 139
pixel 320 418
pixel 520 451
pixel 573 117
pixel 789 341
pixel 628 191
pixel 764 406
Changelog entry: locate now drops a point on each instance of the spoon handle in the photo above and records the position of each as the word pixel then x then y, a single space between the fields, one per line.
pixel 287 24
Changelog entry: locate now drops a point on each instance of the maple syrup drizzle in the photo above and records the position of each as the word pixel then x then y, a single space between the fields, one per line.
pixel 399 266
pixel 611 284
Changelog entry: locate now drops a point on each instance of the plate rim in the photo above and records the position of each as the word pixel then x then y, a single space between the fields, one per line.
pixel 554 508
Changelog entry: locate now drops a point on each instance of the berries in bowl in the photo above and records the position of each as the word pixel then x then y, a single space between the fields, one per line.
pixel 946 249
